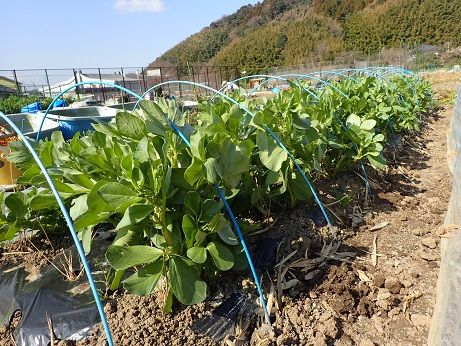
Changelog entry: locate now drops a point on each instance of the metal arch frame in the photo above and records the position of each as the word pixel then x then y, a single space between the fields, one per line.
pixel 268 130
pixel 218 189
pixel 301 76
pixel 260 76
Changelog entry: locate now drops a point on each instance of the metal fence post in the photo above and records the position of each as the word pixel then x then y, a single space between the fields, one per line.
pixel 122 94
pixel 18 86
pixel 103 89
pixel 161 75
pixel 123 76
pixel 178 78
pixel 77 89
pixel 47 82
pixel 217 85
pixel 193 74
pixel 143 79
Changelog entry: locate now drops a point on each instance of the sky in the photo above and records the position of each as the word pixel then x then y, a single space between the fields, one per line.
pixel 100 33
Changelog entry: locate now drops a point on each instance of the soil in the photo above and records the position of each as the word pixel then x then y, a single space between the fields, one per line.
pixel 33 252
pixel 371 281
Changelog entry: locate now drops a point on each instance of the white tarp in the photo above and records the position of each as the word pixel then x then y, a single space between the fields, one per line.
pixel 96 83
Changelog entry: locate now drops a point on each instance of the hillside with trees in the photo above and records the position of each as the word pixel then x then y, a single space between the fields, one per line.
pixel 290 32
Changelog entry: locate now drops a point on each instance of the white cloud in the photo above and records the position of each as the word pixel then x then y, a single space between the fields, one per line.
pixel 139 5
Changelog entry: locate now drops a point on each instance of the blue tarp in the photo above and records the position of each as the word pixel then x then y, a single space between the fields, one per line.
pixel 32 108
pixel 59 103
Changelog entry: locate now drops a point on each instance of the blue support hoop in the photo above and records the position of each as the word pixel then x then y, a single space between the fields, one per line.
pixel 70 224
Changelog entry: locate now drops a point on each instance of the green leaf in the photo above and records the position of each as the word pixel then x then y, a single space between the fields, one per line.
pixel 217 223
pixel 377 161
pixel 211 170
pixel 43 201
pixel 353 119
pixel 194 173
pixel 185 282
pixel 221 255
pixel 240 259
pixel 192 203
pixel 298 187
pixel 85 237
pixel 124 257
pixel 197 254
pixel 158 240
pixel 118 197
pixel 197 148
pixel 200 236
pixel 20 155
pixel 94 201
pixel 143 151
pixel 368 125
pixel 156 127
pixel 130 125
pixel 127 237
pixel 143 282
pixel 209 209
pixel 90 218
pixel 152 110
pixel 178 180
pixel 232 163
pixel 9 232
pixel 80 179
pixel 134 214
pixel 79 206
pixel 17 203
pixel 270 154
pixel 227 235
pixel 66 190
pixel 378 138
pixel 31 174
pixel 189 227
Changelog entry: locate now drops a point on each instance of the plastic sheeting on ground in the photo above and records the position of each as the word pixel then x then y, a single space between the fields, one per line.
pixel 69 305
pixel 446 321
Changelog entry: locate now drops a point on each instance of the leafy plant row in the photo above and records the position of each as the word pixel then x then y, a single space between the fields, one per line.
pixel 159 195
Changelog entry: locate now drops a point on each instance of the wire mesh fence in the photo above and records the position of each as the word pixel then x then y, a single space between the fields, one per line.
pixel 50 82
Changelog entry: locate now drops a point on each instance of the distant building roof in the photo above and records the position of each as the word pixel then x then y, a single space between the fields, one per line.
pixel 116 77
pixel 8 82
pixel 95 79
pixel 8 85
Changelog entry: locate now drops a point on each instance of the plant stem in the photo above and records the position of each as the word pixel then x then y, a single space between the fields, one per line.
pixel 116 281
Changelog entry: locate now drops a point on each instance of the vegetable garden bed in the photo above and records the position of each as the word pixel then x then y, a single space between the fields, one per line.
pixel 173 235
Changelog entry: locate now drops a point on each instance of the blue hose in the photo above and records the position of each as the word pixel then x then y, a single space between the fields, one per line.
pixel 69 222
pixel 245 249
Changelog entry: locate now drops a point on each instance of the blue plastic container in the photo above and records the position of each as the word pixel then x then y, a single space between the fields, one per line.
pixel 29 125
pixel 73 120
